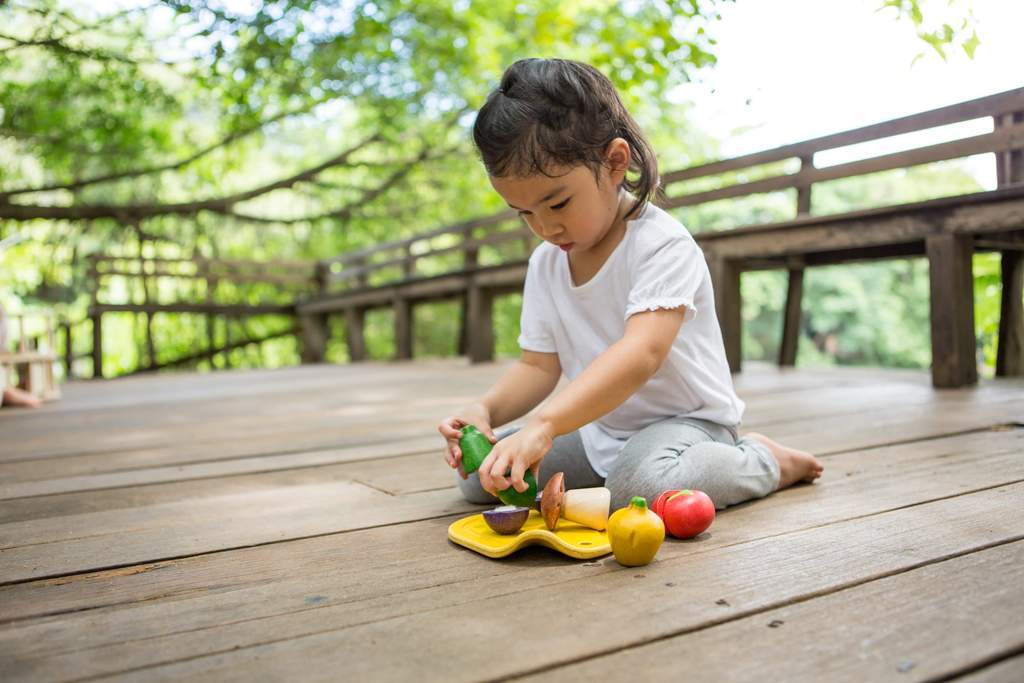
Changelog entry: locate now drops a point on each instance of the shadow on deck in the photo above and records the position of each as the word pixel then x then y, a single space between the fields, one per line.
pixel 291 524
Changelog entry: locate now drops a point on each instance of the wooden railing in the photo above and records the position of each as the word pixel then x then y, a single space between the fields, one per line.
pixel 479 259
pixel 222 290
pixel 354 269
pixel 387 274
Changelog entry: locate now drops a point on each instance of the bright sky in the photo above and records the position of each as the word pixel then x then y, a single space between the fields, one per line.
pixel 811 68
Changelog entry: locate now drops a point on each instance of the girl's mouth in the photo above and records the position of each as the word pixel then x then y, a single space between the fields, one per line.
pixel 566 247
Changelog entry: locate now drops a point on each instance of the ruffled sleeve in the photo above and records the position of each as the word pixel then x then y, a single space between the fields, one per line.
pixel 667 269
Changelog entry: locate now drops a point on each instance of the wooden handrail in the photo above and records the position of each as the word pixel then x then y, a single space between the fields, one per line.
pixel 992 105
pixel 1004 138
pixel 1007 138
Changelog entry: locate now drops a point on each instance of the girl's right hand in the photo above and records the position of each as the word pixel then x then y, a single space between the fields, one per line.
pixel 475 414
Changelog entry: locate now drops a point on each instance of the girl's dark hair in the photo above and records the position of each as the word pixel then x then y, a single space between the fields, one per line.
pixel 549 112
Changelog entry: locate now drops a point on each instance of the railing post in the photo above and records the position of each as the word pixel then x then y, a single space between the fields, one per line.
pixel 409 265
pixel 1010 349
pixel 1010 344
pixel 403 328
pixel 355 319
pixel 954 348
pixel 470 256
pixel 791 317
pixel 315 334
pixel 69 351
pixel 803 189
pixel 315 327
pixel 97 344
pixel 480 324
pixel 725 276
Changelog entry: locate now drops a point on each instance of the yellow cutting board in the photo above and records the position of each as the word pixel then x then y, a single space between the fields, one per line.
pixel 568 538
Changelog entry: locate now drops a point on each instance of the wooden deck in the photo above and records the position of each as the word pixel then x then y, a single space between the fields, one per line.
pixel 291 525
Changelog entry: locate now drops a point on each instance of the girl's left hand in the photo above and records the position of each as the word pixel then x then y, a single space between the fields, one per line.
pixel 520 451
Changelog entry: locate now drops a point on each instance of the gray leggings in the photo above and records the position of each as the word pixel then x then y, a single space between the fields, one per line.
pixel 676 453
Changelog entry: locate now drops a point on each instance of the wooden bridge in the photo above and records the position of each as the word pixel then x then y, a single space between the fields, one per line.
pixel 478 260
pixel 291 525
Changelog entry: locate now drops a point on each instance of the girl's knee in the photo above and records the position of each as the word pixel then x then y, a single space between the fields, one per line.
pixel 473 492
pixel 650 474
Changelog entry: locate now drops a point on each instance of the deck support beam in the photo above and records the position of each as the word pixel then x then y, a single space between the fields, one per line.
pixel 97 345
pixel 355 321
pixel 954 349
pixel 791 318
pixel 479 324
pixel 403 328
pixel 725 276
pixel 1010 349
pixel 315 333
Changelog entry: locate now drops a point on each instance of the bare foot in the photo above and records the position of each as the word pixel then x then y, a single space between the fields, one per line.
pixel 794 465
pixel 16 397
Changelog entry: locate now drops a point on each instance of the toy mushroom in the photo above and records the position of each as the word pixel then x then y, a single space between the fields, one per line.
pixel 588 507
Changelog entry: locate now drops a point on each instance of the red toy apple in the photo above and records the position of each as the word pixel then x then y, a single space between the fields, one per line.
pixel 686 513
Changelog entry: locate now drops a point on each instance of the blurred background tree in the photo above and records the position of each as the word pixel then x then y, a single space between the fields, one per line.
pixel 301 129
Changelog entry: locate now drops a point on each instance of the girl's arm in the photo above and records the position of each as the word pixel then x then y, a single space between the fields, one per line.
pixel 608 381
pixel 523 386
pixel 616 374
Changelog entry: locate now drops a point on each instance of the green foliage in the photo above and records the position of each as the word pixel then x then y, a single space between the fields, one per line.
pixel 196 99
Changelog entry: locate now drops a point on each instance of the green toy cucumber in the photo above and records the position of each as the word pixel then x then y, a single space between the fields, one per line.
pixel 475 449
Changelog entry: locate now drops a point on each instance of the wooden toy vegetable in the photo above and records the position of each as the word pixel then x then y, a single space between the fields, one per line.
pixel 507 519
pixel 686 513
pixel 588 507
pixel 475 448
pixel 635 533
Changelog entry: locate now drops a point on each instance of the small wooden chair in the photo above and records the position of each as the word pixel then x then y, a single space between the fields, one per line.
pixel 33 366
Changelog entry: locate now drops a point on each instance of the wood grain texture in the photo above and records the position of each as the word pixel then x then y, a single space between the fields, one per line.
pixel 277 562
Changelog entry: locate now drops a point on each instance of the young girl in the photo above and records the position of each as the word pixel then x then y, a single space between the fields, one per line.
pixel 619 299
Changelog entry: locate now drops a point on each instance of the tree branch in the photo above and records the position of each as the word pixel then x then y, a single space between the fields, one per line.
pixel 350 209
pixel 171 166
pixel 129 212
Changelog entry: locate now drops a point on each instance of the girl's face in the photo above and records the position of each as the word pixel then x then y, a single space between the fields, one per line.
pixel 572 209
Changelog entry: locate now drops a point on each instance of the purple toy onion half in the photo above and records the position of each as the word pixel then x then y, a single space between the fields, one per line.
pixel 506 519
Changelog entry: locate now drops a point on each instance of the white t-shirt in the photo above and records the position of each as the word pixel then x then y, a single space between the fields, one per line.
pixel 656 265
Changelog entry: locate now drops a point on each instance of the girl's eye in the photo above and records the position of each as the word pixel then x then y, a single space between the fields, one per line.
pixel 560 205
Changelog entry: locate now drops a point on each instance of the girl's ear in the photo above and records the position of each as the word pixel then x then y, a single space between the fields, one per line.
pixel 616 159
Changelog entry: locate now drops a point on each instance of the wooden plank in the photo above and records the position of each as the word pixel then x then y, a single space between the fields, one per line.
pixel 791 318
pixel 315 334
pixel 187 307
pixel 954 349
pixel 402 470
pixel 307 280
pixel 911 410
pixel 186 526
pixel 881 630
pixel 355 321
pixel 1005 671
pixel 420 289
pixel 964 111
pixel 403 313
pixel 97 540
pixel 847 478
pixel 1010 345
pixel 97 344
pixel 357 625
pixel 725 276
pixel 959 209
pixel 480 324
pixel 469 247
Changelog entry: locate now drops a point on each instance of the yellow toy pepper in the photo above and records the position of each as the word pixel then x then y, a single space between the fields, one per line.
pixel 635 533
